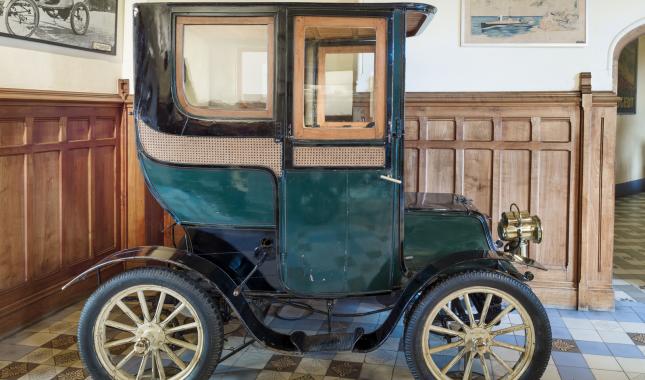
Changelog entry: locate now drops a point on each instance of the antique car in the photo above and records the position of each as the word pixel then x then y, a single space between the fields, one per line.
pixel 22 17
pixel 273 134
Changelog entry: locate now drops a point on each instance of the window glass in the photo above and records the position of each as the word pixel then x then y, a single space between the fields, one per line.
pixel 226 65
pixel 344 92
pixel 339 92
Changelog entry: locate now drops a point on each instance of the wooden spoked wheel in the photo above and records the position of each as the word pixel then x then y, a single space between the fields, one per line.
pixel 491 344
pixel 478 325
pixel 148 332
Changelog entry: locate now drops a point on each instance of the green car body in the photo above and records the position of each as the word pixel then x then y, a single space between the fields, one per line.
pixel 262 223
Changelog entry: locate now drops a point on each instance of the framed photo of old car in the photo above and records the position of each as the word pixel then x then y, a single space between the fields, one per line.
pixel 79 24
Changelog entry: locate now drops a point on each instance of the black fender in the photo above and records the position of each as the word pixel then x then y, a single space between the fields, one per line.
pixel 213 274
pixel 419 282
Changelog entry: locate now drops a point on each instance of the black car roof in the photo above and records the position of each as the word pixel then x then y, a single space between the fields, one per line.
pixel 418 15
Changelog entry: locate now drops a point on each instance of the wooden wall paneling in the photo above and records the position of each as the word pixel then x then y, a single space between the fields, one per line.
pixel 478 130
pixel 439 171
pixel 12 132
pixel 78 129
pixel 60 187
pixel 588 209
pixel 136 192
pixel 500 149
pixel 597 217
pixel 73 193
pixel 13 242
pixel 155 226
pixel 104 206
pixel 478 177
pixel 411 156
pixel 144 221
pixel 600 286
pixel 44 214
pixel 168 239
pixel 76 206
pixel 516 129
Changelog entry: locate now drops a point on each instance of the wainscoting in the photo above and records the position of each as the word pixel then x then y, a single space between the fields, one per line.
pixel 72 192
pixel 527 148
pixel 502 151
pixel 60 190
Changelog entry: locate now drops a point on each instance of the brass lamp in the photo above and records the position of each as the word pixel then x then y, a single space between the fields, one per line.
pixel 519 228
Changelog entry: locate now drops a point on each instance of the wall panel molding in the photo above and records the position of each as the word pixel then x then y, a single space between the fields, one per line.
pixel 78 99
pixel 421 99
pixel 60 159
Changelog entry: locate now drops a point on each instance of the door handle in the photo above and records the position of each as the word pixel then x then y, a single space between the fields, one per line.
pixel 390 179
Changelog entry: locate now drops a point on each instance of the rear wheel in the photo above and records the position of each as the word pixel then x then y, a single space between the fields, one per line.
pixel 150 323
pixel 478 325
pixel 22 17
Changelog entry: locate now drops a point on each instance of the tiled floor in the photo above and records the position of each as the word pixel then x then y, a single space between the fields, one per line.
pixel 629 247
pixel 587 345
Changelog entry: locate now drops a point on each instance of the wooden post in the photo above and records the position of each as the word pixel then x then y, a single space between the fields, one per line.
pixel 143 217
pixel 587 206
pixel 597 197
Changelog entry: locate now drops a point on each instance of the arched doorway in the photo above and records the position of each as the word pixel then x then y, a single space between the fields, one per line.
pixel 628 69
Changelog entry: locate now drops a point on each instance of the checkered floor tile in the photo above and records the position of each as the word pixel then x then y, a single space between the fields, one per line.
pixel 587 345
pixel 629 248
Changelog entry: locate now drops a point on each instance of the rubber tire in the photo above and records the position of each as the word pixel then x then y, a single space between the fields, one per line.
pixel 34 6
pixel 522 293
pixel 83 8
pixel 203 304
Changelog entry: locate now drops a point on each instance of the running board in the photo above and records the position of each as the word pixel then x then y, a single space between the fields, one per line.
pixel 326 342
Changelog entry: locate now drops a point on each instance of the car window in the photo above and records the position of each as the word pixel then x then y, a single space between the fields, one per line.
pixel 224 66
pixel 339 77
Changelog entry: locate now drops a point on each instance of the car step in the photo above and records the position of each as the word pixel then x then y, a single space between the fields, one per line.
pixel 326 342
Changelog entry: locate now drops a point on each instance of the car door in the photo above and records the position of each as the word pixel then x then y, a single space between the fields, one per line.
pixel 338 204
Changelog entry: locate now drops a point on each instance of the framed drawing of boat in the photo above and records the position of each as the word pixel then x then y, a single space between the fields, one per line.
pixel 524 22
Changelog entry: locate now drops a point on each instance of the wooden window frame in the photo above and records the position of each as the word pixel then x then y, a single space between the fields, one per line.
pixel 331 130
pixel 182 21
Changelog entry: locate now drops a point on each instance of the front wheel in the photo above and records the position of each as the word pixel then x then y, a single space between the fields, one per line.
pixel 150 323
pixel 80 18
pixel 478 325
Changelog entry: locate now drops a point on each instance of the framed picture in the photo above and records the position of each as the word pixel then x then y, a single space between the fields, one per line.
pixel 80 24
pixel 627 78
pixel 524 22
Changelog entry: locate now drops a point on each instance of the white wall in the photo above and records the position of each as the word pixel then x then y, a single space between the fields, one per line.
pixel 35 65
pixel 630 131
pixel 437 62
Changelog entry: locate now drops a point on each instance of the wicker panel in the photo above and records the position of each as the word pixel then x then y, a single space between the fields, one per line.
pixel 201 150
pixel 345 156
